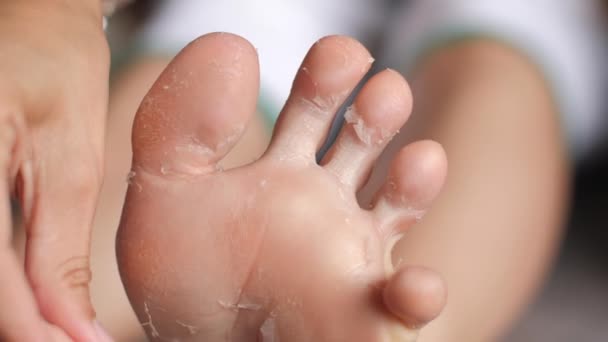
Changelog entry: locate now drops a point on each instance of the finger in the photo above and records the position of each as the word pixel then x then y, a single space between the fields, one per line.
pixel 19 316
pixel 64 181
pixel 57 335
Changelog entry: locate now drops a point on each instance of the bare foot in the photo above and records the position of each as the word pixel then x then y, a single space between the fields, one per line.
pixel 277 250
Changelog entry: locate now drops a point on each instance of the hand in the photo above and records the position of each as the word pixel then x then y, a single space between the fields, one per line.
pixel 54 66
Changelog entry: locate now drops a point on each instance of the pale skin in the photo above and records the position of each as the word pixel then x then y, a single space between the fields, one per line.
pixel 257 263
pixel 532 242
pixel 54 63
pixel 533 232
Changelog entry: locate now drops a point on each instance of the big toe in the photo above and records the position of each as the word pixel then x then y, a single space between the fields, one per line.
pixel 198 108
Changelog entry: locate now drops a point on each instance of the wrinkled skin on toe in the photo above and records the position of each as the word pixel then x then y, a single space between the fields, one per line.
pixel 280 249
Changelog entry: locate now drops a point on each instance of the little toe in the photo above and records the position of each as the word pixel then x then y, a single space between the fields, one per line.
pixel 198 108
pixel 329 73
pixel 415 178
pixel 415 295
pixel 379 111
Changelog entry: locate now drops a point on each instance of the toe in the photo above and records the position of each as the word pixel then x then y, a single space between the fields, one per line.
pixel 330 71
pixel 415 295
pixel 198 108
pixel 380 109
pixel 414 180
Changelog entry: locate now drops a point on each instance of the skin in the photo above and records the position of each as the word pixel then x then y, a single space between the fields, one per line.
pixel 127 91
pixel 35 113
pixel 483 90
pixel 53 94
pixel 269 267
pixel 495 228
pixel 460 107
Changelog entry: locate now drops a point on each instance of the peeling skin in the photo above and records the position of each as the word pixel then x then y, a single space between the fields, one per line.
pixel 268 331
pixel 410 211
pixel 287 152
pixel 231 139
pixel 352 117
pixel 177 82
pixel 191 328
pixel 399 333
pixel 395 197
pixel 183 170
pixel 367 135
pixel 392 185
pixel 399 263
pixel 195 148
pixel 418 214
pixel 249 306
pixel 232 72
pixel 149 324
pixel 325 105
pixel 392 216
pixel 239 306
pixel 130 176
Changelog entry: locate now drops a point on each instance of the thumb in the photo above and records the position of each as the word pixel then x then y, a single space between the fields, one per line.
pixel 63 188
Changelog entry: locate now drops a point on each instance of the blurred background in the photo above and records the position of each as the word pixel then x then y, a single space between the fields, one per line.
pixel 573 305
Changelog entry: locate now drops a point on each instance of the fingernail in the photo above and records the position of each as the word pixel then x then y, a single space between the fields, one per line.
pixel 102 335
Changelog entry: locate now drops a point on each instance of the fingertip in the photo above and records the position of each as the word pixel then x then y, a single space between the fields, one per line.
pixel 416 295
pixel 68 312
pixel 55 334
pixel 102 334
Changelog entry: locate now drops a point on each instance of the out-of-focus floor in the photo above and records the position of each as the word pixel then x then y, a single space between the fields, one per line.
pixel 574 304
